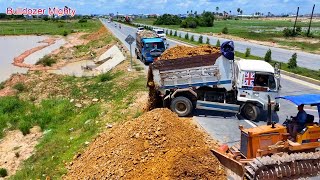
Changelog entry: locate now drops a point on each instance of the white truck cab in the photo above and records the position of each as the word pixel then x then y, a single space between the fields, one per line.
pixel 255 81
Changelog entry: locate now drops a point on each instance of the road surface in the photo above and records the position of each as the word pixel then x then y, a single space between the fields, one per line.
pixel 307 60
pixel 224 126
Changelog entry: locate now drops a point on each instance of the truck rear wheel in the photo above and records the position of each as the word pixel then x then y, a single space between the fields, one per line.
pixel 182 106
pixel 251 112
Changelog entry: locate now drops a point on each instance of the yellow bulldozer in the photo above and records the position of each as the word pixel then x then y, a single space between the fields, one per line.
pixel 267 152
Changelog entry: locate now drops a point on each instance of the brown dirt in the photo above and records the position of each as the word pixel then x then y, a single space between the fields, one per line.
pixel 157 145
pixel 15 148
pixel 96 35
pixel 185 51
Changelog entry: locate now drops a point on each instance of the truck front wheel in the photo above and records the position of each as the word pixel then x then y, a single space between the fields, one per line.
pixel 182 106
pixel 251 112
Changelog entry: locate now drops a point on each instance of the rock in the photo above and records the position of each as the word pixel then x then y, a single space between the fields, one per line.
pixel 109 125
pixel 78 105
pixel 71 100
pixel 86 143
pixel 71 129
pixel 87 121
pixel 95 100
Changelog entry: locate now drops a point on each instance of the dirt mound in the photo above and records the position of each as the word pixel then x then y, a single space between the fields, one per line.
pixel 157 145
pixel 184 51
pixel 97 35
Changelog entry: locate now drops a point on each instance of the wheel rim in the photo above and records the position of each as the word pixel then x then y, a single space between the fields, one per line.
pixel 249 112
pixel 181 107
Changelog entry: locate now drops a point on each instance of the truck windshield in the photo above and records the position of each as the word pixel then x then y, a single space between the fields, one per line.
pixel 265 80
pixel 155 45
pixel 160 32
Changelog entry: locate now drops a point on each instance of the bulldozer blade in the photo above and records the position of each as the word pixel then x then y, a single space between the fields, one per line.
pixel 231 164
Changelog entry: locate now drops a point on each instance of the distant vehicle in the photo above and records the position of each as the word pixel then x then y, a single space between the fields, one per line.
pixel 140 29
pixel 160 33
pixel 119 26
pixel 109 21
pixel 115 25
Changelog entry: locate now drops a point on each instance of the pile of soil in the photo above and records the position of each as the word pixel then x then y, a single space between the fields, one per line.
pixel 147 34
pixel 185 51
pixel 157 145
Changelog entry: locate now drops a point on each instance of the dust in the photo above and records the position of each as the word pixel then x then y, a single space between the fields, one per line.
pixel 15 148
pixel 157 145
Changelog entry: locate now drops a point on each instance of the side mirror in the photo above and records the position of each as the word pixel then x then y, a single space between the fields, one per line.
pixel 167 45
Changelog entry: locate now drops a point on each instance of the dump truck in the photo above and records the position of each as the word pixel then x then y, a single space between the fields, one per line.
pixel 148 46
pixel 267 152
pixel 214 81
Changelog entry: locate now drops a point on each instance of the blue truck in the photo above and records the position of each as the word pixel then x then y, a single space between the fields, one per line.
pixel 149 46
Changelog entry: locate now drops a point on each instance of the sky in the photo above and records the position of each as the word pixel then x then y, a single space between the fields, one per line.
pixel 168 6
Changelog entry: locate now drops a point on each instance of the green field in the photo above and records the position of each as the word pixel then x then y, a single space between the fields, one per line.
pixel 50 27
pixel 254 29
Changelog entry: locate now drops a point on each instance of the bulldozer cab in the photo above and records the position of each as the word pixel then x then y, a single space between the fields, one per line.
pixel 310 134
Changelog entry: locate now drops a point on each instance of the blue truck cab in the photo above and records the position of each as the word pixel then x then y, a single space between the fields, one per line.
pixel 149 48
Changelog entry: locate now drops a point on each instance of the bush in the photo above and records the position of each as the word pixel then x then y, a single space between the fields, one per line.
pixel 45 19
pixel 82 21
pixel 167 32
pixel 248 52
pixel 208 41
pixel 190 22
pixel 65 33
pixel 186 36
pixel 19 86
pixel 60 25
pixel 218 43
pixel 192 38
pixel 3 172
pixel 298 30
pixel 1 85
pixel 175 33
pixel 46 61
pixel 200 40
pixel 225 30
pixel 105 77
pixel 293 61
pixel 170 32
pixel 267 57
pixel 179 35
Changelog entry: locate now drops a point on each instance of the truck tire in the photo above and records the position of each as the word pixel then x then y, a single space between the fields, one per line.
pixel 137 54
pixel 251 112
pixel 182 106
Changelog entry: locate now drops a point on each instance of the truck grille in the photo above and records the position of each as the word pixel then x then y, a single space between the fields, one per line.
pixel 244 144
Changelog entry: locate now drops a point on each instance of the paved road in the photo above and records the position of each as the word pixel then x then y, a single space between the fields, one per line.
pixel 308 60
pixel 224 126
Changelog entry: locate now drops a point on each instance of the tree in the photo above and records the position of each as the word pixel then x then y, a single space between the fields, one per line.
pixel 208 41
pixel 195 13
pixel 248 52
pixel 167 19
pixel 170 32
pixel 225 30
pixel 218 43
pixel 293 61
pixel 267 57
pixel 187 12
pixel 192 38
pixel 217 9
pixel 241 12
pixel 179 35
pixel 175 33
pixel 186 36
pixel 200 40
pixel 238 10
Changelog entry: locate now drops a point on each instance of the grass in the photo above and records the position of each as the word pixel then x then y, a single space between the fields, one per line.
pixel 252 29
pixel 19 86
pixel 59 27
pixel 57 116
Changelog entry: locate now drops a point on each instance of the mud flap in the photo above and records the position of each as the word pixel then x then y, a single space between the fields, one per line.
pixel 229 163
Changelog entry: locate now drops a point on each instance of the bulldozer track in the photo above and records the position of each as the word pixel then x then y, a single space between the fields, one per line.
pixel 284 165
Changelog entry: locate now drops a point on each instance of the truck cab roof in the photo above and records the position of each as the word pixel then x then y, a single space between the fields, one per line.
pixel 255 66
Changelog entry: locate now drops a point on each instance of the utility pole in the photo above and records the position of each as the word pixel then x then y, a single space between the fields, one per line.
pixel 310 20
pixel 295 22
